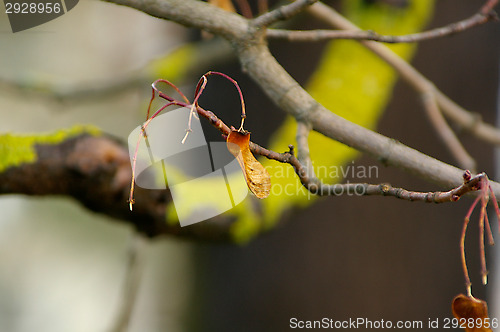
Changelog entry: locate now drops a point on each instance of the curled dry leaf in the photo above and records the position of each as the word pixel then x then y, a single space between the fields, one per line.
pixel 256 176
pixel 472 313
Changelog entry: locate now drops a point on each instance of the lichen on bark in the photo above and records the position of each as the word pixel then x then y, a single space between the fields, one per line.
pixel 20 149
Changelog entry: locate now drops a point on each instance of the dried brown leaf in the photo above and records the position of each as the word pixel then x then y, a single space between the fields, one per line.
pixel 472 313
pixel 256 176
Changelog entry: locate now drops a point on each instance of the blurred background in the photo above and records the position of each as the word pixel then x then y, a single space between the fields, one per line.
pixel 62 267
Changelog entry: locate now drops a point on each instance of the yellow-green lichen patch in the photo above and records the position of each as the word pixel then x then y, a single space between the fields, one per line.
pixel 19 149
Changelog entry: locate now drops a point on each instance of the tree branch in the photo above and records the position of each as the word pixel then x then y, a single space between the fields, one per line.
pixel 466 120
pixel 204 53
pixel 447 135
pixel 133 276
pixel 190 13
pixel 484 15
pixel 96 91
pixel 95 170
pixel 487 8
pixel 316 187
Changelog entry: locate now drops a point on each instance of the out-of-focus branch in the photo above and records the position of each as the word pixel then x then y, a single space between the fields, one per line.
pixel 133 274
pixel 202 54
pixel 484 15
pixel 92 92
pixel 444 131
pixel 465 119
pixel 95 170
pixel 488 7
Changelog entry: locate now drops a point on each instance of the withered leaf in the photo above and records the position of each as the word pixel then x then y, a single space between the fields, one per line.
pixel 472 313
pixel 223 4
pixel 256 176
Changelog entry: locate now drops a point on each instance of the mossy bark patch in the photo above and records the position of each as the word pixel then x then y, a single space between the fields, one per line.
pixel 16 150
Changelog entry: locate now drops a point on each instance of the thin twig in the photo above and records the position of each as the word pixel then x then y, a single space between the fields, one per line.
pixel 303 168
pixel 482 254
pixel 320 34
pixel 484 189
pixel 94 91
pixel 194 108
pixel 465 119
pixel 316 187
pixel 281 13
pixel 202 83
pixel 488 7
pixel 489 234
pixel 240 93
pixel 462 246
pixel 305 172
pixel 131 285
pixel 447 135
pixel 303 130
pixel 463 258
pixel 204 53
